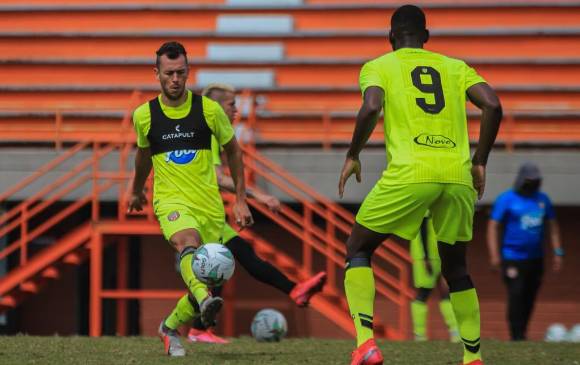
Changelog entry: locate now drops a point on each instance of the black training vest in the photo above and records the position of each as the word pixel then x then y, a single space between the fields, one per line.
pixel 189 133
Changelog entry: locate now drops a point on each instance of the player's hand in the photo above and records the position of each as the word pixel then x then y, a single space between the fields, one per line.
pixel 270 201
pixel 351 166
pixel 136 202
pixel 478 174
pixel 495 263
pixel 557 263
pixel 242 214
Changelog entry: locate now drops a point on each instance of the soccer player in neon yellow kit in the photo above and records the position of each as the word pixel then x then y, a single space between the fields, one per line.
pixel 429 168
pixel 427 275
pixel 300 293
pixel 174 132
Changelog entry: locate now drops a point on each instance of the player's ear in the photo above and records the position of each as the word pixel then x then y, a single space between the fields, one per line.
pixel 392 38
pixel 156 70
pixel 426 36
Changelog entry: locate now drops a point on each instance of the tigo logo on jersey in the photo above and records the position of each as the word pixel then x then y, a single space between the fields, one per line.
pixel 434 140
pixel 181 157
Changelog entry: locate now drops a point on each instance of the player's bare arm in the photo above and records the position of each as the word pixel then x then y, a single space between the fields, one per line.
pixel 493 228
pixel 241 210
pixel 366 120
pixel 226 183
pixel 485 98
pixel 143 167
pixel 556 242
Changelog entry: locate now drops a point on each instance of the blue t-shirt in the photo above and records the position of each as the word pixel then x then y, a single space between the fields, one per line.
pixel 523 219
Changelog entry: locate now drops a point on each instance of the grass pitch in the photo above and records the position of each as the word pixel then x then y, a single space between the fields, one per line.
pixel 20 350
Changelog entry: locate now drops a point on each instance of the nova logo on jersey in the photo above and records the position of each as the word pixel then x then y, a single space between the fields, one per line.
pixel 181 157
pixel 434 140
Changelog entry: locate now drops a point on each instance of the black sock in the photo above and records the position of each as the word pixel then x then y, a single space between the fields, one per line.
pixel 258 268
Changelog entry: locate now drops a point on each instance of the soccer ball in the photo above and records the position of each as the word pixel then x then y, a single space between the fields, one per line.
pixel 574 334
pixel 213 264
pixel 269 325
pixel 556 333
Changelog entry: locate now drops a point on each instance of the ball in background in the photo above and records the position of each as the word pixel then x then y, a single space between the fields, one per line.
pixel 269 325
pixel 574 333
pixel 556 332
pixel 213 264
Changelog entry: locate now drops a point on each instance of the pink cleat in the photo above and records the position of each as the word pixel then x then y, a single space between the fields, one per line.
pixel 303 291
pixel 474 362
pixel 367 354
pixel 206 336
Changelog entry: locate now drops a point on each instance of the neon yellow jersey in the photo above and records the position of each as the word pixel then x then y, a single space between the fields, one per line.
pixel 188 176
pixel 425 120
pixel 215 152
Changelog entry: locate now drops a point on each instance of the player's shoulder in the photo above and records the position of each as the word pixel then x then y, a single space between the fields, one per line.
pixel 142 112
pixel 543 196
pixel 506 196
pixel 382 59
pixel 209 104
pixel 451 61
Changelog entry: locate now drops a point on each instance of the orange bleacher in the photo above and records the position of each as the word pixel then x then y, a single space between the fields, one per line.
pixel 71 56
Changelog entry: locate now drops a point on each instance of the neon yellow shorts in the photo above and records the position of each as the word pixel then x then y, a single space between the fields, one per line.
pixel 422 278
pixel 399 210
pixel 174 217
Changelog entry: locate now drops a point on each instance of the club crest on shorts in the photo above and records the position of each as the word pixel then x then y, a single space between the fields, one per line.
pixel 173 216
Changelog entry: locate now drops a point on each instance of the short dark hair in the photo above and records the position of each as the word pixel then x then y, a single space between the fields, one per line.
pixel 408 19
pixel 172 50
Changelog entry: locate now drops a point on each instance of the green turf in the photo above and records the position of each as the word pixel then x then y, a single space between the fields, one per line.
pixel 20 350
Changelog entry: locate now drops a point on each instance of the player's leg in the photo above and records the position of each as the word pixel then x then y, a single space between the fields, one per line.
pixel 447 310
pixel 534 275
pixel 419 312
pixel 186 230
pixel 266 273
pixel 359 285
pixel 423 281
pixel 463 297
pixel 515 283
pixel 182 314
pixel 453 222
pixel 201 333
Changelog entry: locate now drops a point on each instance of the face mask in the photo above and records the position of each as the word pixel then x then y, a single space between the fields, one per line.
pixel 530 187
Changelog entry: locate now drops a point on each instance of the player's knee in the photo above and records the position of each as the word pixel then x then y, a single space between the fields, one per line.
pixel 460 284
pixel 453 270
pixel 186 250
pixel 360 259
pixel 185 238
pixel 423 294
pixel 241 249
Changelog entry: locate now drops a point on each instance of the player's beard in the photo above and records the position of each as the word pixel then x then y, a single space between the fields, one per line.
pixel 172 96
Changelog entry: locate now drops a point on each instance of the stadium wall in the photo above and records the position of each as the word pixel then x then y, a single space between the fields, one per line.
pixel 320 169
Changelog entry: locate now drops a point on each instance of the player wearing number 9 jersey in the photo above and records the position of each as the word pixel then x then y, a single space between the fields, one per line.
pixel 429 168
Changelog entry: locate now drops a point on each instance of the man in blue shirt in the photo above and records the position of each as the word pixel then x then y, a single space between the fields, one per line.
pixel 519 216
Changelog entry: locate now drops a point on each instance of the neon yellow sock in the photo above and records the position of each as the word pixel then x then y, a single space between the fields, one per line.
pixel 359 285
pixel 448 315
pixel 466 308
pixel 419 317
pixel 182 314
pixel 198 289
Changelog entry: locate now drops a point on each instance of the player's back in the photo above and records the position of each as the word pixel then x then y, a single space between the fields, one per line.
pixel 425 118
